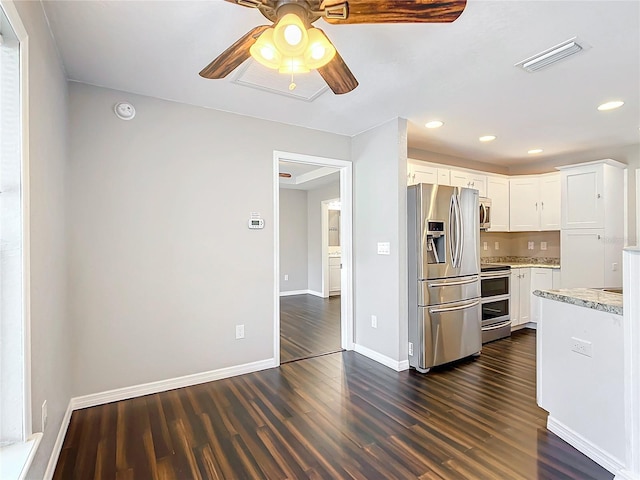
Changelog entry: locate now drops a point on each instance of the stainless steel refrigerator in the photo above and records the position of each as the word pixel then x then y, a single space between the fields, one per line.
pixel 444 274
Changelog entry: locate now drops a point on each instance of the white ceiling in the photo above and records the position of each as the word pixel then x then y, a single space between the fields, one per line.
pixel 462 73
pixel 306 176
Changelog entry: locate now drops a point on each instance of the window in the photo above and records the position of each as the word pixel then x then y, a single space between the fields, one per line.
pixel 13 415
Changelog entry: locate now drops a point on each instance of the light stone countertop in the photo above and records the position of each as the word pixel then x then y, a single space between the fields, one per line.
pixel 585 297
pixel 524 262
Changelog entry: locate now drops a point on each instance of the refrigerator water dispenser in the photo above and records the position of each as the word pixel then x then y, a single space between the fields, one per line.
pixel 436 242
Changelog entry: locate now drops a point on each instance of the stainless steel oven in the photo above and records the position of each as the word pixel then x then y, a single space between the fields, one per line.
pixel 495 302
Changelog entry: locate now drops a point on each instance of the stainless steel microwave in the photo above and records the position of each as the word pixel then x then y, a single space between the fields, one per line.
pixel 485 213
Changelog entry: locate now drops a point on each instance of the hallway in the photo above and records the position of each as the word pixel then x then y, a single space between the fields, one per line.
pixel 309 326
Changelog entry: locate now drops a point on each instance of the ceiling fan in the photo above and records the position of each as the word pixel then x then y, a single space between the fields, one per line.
pixel 292 45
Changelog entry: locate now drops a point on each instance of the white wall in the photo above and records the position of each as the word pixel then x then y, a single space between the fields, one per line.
pixel 380 211
pixel 162 264
pixel 51 333
pixel 314 220
pixel 293 240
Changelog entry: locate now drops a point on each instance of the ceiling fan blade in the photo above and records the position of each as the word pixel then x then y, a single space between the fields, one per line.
pixel 399 11
pixel 233 56
pixel 246 3
pixel 338 76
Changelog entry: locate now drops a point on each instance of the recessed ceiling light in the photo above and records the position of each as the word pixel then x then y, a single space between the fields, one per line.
pixel 610 105
pixel 434 124
pixel 487 138
pixel 534 151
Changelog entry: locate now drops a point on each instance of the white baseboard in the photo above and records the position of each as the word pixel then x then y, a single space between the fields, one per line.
pixel 289 293
pixel 169 384
pixel 583 445
pixel 383 359
pixel 301 292
pixel 57 446
pixel 126 393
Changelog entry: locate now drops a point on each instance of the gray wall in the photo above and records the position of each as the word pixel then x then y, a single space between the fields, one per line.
pixel 162 264
pixel 314 222
pixel 380 164
pixel 51 333
pixel 293 240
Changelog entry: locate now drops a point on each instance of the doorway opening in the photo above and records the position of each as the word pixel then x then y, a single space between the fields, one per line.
pixel 313 286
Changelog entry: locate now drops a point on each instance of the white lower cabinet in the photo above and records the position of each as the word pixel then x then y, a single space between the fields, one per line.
pixel 335 274
pixel 520 296
pixel 582 257
pixel 541 279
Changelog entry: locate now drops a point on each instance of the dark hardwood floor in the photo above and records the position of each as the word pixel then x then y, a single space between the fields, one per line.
pixel 334 416
pixel 309 326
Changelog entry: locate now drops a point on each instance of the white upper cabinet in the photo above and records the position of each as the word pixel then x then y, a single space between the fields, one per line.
pixel 444 176
pixel 421 173
pixel 582 190
pixel 498 192
pixel 534 203
pixel 474 180
pixel 582 257
pixel 523 203
pixel 550 201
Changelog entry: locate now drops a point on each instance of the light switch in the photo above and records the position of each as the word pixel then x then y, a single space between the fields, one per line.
pixel 485 246
pixel 384 248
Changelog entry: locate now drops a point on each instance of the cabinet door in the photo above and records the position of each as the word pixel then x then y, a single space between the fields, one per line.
pixel 541 279
pixel 582 258
pixel 425 174
pixel 479 182
pixel 334 274
pixel 550 202
pixel 498 192
pixel 460 179
pixel 515 296
pixel 523 204
pixel 525 295
pixel 444 176
pixel 582 203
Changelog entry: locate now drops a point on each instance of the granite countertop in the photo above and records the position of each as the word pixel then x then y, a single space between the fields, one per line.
pixel 585 297
pixel 524 262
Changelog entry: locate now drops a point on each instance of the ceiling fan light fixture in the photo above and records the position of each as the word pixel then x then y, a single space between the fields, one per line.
pixel 290 35
pixel 320 51
pixel 265 50
pixel 293 65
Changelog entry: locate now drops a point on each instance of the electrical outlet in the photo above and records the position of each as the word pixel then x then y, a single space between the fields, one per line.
pixel 497 246
pixel 410 349
pixel 614 267
pixel 543 245
pixel 530 245
pixel 239 331
pixel 583 347
pixel 44 415
pixel 286 277
pixel 485 246
pixel 374 321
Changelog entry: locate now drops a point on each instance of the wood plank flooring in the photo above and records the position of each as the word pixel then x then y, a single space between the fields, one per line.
pixel 309 326
pixel 335 416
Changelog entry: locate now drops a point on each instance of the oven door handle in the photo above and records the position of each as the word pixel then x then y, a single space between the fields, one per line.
pixel 495 327
pixel 451 284
pixel 501 273
pixel 453 309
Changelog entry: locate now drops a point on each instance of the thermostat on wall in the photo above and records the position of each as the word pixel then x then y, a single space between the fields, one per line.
pixel 255 222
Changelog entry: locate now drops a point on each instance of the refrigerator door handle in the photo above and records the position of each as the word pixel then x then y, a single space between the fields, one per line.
pixel 452 309
pixel 450 284
pixel 460 232
pixel 453 247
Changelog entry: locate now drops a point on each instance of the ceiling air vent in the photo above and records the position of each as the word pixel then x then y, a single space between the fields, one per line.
pixel 309 86
pixel 552 55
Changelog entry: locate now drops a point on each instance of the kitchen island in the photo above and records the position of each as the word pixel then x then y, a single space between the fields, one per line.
pixel 580 370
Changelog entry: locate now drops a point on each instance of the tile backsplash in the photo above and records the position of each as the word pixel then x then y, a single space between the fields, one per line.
pixel 515 244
